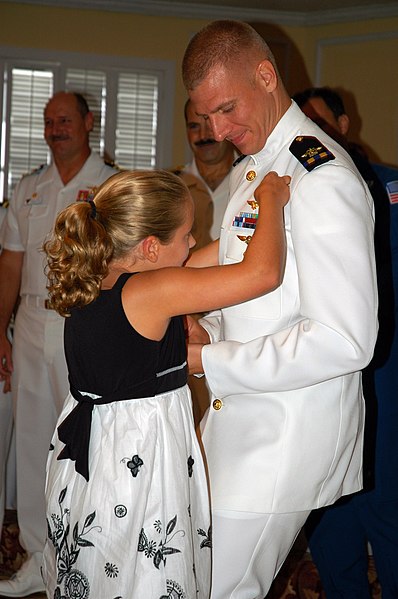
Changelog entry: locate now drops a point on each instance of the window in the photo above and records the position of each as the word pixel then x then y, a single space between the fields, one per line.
pixel 131 102
pixel 136 125
pixel 30 90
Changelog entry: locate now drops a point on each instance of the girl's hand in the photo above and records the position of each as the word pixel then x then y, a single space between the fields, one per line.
pixel 273 189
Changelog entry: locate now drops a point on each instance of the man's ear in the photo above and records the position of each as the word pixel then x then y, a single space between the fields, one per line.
pixel 150 248
pixel 89 121
pixel 267 74
pixel 344 123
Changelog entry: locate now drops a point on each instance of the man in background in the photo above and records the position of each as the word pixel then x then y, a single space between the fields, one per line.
pixel 207 176
pixel 338 535
pixel 36 360
pixel 325 107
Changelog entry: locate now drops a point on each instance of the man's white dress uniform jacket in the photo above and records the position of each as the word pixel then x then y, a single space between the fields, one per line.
pixel 285 431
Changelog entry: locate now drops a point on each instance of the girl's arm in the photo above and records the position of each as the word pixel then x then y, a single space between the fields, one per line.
pixel 206 256
pixel 157 295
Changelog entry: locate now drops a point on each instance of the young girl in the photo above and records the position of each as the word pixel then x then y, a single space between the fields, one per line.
pixel 127 501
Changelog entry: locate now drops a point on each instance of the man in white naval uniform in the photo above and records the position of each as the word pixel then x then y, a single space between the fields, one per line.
pixel 39 374
pixel 283 434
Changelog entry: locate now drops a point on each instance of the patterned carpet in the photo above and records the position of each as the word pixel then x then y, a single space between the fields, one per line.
pixel 298 579
pixel 11 552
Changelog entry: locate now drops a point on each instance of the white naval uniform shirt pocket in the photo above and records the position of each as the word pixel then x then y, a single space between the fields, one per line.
pixel 266 307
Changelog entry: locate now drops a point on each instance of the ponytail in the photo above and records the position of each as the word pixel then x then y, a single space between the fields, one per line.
pixel 78 255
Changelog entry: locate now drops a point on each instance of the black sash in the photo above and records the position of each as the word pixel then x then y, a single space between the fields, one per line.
pixel 75 430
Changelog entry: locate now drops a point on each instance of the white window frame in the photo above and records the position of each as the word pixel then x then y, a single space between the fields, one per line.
pixel 59 62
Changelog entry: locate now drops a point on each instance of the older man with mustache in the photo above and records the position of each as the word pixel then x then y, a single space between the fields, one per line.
pixel 207 176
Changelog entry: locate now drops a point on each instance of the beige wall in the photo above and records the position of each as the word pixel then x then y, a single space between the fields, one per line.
pixel 359 58
pixel 361 61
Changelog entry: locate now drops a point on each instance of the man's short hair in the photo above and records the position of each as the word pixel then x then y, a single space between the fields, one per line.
pixel 82 104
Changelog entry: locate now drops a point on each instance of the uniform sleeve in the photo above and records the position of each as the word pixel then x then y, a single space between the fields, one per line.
pixel 212 324
pixel 3 215
pixel 332 235
pixel 10 229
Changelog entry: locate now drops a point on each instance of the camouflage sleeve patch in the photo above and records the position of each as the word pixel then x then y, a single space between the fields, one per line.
pixel 310 152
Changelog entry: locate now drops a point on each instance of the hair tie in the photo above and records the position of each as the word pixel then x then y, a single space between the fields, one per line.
pixel 93 212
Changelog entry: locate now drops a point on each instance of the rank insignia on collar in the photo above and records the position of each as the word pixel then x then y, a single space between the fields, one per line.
pixel 239 159
pixel 310 152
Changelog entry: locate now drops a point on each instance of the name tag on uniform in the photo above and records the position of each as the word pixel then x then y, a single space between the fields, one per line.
pixel 84 195
pixel 34 200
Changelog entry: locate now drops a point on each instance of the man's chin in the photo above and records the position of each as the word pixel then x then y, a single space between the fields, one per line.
pixel 207 151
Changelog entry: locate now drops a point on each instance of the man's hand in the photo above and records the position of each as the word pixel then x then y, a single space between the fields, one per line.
pixel 197 337
pixel 195 365
pixel 5 363
pixel 6 366
pixel 195 332
pixel 7 383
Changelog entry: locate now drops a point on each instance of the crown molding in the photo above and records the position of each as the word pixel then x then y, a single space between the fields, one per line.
pixel 213 11
pixel 353 13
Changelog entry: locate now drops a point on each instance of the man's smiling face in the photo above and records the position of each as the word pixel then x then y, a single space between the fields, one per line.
pixel 237 107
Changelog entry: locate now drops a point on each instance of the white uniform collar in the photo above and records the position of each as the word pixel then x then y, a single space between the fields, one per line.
pixel 283 132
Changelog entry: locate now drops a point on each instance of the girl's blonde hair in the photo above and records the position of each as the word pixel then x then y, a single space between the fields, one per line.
pixel 127 208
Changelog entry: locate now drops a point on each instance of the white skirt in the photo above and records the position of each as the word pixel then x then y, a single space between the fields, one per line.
pixel 140 527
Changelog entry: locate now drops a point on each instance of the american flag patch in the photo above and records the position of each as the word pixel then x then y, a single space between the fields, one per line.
pixel 392 190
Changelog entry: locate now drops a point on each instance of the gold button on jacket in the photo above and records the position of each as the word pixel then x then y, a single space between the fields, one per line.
pixel 251 175
pixel 217 404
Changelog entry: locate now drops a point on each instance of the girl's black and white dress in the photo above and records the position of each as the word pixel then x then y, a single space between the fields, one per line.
pixel 127 501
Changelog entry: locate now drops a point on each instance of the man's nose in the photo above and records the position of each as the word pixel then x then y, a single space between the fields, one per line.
pixel 57 127
pixel 218 127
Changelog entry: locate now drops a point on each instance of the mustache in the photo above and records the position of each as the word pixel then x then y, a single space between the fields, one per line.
pixel 58 137
pixel 205 142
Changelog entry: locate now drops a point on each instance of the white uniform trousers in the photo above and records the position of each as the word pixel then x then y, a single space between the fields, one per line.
pixel 40 385
pixel 249 549
pixel 7 455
